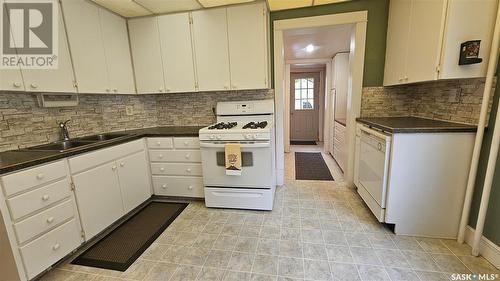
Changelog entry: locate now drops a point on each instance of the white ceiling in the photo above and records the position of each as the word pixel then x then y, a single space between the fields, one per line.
pixel 137 8
pixel 327 41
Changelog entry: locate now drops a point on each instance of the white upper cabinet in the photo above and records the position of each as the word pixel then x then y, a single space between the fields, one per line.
pixel 177 53
pixel 247 34
pixel 99 46
pixel 86 45
pixel 11 80
pixel 53 80
pixel 117 53
pixel 146 54
pixel 211 49
pixel 397 42
pixel 424 38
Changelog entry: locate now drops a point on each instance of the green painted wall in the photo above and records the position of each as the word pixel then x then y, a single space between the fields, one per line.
pixel 378 11
pixel 492 226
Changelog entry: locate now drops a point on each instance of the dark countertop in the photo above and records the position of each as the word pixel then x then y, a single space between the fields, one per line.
pixel 19 159
pixel 414 125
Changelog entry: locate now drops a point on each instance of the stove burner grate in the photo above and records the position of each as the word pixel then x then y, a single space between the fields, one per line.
pixel 223 125
pixel 255 125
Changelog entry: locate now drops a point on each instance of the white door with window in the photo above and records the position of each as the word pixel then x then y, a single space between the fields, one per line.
pixel 304 111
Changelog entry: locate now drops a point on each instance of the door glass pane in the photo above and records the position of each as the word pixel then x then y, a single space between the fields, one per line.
pixel 304 93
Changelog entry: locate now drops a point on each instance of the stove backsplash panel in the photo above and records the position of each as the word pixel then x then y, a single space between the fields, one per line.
pixel 24 124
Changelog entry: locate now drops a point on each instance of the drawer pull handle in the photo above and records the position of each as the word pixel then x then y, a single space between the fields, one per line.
pixel 160 156
pixel 50 220
pixel 122 164
pixel 158 143
pixel 164 186
pixel 56 247
pixel 162 169
pixel 188 170
pixel 190 187
pixel 113 168
pixel 45 197
pixel 40 176
pixel 186 143
pixel 187 156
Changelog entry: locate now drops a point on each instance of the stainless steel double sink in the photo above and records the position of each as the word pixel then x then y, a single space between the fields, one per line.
pixel 74 143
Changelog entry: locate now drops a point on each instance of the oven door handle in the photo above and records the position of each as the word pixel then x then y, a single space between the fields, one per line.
pixel 243 145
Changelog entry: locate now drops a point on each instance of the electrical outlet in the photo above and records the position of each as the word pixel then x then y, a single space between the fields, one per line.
pixel 129 109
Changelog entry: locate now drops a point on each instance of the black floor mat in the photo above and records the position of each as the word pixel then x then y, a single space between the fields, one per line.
pixel 121 247
pixel 311 166
pixel 303 143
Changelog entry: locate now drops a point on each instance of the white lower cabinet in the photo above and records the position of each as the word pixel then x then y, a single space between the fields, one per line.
pixel 178 186
pixel 176 168
pixel 134 181
pixel 109 190
pixel 38 220
pixel 41 253
pixel 99 198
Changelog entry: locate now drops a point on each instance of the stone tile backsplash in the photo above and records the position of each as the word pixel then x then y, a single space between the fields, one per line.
pixel 451 100
pixel 23 123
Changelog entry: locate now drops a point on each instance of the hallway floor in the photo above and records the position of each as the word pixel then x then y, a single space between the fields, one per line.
pixel 318 230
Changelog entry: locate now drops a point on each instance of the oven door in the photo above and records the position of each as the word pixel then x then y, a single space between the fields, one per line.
pixel 256 168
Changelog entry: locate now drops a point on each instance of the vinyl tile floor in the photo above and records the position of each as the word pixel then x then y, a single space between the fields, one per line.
pixel 317 230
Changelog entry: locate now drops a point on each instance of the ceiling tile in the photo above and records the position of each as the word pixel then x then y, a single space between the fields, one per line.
pixel 322 2
pixel 169 6
pixel 125 8
pixel 216 3
pixel 275 5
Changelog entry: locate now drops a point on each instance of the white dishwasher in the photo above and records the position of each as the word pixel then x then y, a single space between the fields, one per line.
pixel 373 168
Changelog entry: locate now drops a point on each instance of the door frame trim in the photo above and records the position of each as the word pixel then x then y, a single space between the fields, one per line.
pixel 358 40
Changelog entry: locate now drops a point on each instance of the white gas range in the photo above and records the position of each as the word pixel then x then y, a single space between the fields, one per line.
pixel 249 123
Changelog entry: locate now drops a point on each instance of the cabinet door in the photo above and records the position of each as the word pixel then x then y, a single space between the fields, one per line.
pixel 134 180
pixel 425 40
pixel 177 52
pixel 146 54
pixel 53 80
pixel 11 79
pixel 86 45
pixel 99 198
pixel 117 53
pixel 397 42
pixel 248 46
pixel 211 50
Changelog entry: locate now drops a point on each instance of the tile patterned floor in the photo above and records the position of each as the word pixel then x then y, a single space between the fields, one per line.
pixel 317 231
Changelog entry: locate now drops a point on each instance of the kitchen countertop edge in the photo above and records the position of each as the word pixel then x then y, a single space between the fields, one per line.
pixel 441 126
pixel 177 131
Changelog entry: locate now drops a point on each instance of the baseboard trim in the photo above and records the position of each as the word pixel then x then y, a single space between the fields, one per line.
pixel 487 249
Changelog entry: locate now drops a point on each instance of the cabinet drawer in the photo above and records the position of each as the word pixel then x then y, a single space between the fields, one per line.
pixel 170 169
pixel 44 221
pixel 32 201
pixel 175 156
pixel 51 247
pixel 186 143
pixel 178 186
pixel 99 157
pixel 21 181
pixel 162 143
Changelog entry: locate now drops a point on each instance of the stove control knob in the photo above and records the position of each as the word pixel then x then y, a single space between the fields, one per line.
pixel 219 137
pixel 248 136
pixel 254 136
pixel 212 137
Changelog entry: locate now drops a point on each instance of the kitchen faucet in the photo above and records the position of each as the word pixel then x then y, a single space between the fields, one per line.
pixel 64 130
